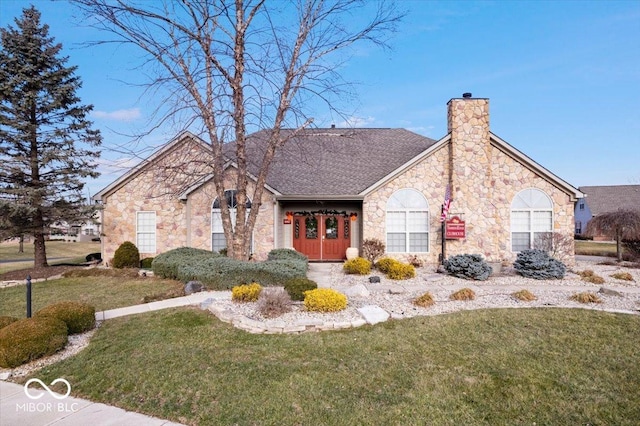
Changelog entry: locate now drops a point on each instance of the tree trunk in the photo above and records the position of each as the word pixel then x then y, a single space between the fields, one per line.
pixel 39 251
pixel 21 245
pixel 618 245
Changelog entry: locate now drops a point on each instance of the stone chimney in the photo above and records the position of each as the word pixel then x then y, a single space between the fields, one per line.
pixel 470 155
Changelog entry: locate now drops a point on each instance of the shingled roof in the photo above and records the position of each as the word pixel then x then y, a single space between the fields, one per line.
pixel 603 199
pixel 335 161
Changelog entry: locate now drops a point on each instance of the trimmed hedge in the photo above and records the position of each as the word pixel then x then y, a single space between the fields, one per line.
pixel 31 338
pixel 5 321
pixel 324 300
pixel 224 273
pixel 358 265
pixel 166 264
pixel 79 317
pixel 126 256
pixel 297 286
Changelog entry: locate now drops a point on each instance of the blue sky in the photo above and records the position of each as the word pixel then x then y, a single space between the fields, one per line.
pixel 563 79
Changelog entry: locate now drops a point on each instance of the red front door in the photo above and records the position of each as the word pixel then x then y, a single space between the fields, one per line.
pixel 322 237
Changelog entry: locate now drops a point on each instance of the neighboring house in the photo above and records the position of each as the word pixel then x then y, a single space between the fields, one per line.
pixel 604 199
pixel 330 189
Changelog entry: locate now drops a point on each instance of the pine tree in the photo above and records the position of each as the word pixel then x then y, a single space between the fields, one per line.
pixel 47 145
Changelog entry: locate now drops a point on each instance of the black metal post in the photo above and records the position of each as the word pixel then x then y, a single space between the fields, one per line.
pixel 28 296
pixel 443 232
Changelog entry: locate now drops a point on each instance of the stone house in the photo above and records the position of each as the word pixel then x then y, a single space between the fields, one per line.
pixel 330 189
pixel 604 199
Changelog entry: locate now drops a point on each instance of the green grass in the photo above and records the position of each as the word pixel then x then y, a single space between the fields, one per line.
pixel 591 248
pixel 101 292
pixel 57 252
pixel 491 367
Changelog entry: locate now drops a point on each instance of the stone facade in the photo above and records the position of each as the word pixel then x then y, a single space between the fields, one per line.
pixel 484 179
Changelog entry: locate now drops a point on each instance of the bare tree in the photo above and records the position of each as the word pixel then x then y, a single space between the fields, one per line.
pixel 229 67
pixel 621 224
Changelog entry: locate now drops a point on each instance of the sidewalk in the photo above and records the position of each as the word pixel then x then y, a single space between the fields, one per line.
pixel 16 408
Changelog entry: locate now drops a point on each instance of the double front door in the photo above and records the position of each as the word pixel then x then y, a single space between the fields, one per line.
pixel 322 237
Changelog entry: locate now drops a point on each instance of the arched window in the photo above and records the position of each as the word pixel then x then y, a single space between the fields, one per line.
pixel 218 241
pixel 407 222
pixel 531 218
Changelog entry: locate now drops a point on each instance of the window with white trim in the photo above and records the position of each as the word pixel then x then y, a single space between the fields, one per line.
pixel 146 232
pixel 218 241
pixel 531 216
pixel 407 224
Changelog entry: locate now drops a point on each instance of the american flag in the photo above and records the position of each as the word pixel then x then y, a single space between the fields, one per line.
pixel 446 204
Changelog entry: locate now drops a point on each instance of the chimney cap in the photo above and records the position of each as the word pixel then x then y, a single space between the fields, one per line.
pixel 466 95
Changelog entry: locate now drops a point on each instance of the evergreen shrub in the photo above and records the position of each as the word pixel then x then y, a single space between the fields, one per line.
pixel 31 338
pixel 79 317
pixel 324 300
pixel 468 266
pixel 539 265
pixel 5 321
pixel 126 256
pixel 166 265
pixel 146 263
pixel 358 265
pixel 246 292
pixel 401 271
pixel 385 264
pixel 296 287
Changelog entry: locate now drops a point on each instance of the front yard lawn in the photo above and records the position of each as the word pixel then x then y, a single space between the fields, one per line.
pixel 101 292
pixel 489 367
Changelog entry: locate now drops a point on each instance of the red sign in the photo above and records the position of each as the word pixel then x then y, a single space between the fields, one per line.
pixel 454 228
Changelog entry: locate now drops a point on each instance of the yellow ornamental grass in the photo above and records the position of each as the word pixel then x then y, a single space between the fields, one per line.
pixel 401 271
pixel 324 300
pixel 246 292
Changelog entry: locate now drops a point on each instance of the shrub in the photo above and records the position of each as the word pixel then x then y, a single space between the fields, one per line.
pixel 246 292
pixel 463 294
pixel 126 256
pixel 468 266
pixel 424 301
pixel 372 249
pixel 146 263
pixel 5 321
pixel 622 276
pixel 415 260
pixel 632 248
pixel 324 300
pixel 287 254
pixel 166 265
pixel 589 276
pixel 274 302
pixel 385 264
pixel 401 271
pixel 358 265
pixel 222 273
pixel 31 338
pixel 524 295
pixel 296 287
pixel 539 265
pixel 79 317
pixel 93 256
pixel 586 297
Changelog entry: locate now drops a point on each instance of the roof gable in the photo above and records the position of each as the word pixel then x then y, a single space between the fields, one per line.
pixel 603 199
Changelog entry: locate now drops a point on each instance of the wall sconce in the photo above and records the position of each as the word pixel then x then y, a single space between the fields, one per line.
pixel 353 217
pixel 289 215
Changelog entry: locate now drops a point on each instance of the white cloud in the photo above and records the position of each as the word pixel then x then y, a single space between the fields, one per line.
pixel 118 115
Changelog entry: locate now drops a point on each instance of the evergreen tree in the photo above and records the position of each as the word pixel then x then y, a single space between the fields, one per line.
pixel 47 145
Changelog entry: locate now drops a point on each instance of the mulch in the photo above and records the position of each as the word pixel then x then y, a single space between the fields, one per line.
pixel 37 273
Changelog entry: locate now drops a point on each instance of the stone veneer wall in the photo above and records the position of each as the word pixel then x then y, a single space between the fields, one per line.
pixel 485 180
pixel 199 213
pixel 153 189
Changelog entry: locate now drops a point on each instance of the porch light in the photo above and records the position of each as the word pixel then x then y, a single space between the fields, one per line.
pixel 289 215
pixel 353 217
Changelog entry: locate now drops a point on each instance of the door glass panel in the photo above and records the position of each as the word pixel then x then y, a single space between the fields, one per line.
pixel 311 225
pixel 331 228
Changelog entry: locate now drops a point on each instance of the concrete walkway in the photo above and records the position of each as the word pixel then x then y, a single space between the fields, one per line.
pixel 17 408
